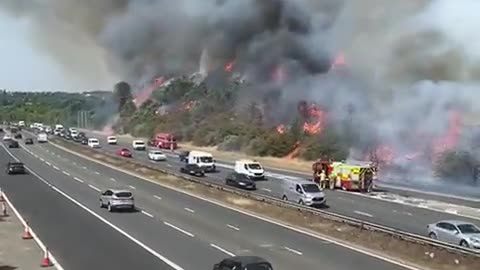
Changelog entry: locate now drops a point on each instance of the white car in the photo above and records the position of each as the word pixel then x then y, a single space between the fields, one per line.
pixel 114 199
pixel 112 140
pixel 455 232
pixel 7 137
pixel 93 143
pixel 157 155
pixel 139 145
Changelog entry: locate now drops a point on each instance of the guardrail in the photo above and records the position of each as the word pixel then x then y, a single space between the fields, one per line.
pixel 286 204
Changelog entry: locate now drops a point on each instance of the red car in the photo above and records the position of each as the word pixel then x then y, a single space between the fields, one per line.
pixel 124 152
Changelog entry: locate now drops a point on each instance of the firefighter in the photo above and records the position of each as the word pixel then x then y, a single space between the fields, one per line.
pixel 318 176
pixel 323 182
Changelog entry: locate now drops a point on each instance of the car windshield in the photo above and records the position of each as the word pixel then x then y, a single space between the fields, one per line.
pixel 123 194
pixel 259 266
pixel 139 143
pixel 468 228
pixel 16 164
pixel 156 152
pixel 254 166
pixel 206 159
pixel 112 138
pixel 310 188
pixel 94 141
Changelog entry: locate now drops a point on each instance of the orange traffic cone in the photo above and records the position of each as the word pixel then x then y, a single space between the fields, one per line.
pixel 46 260
pixel 26 233
pixel 4 209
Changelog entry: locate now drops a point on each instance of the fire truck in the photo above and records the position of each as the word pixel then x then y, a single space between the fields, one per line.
pixel 164 140
pixel 354 175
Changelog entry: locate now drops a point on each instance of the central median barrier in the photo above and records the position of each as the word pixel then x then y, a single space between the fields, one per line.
pixel 404 248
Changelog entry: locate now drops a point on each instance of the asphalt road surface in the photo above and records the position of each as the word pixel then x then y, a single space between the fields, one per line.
pixel 402 217
pixel 190 232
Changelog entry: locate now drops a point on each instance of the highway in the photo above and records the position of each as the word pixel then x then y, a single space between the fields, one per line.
pixel 190 232
pixel 399 216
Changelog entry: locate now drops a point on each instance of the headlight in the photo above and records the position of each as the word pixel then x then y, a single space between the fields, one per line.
pixel 241 184
pixel 475 240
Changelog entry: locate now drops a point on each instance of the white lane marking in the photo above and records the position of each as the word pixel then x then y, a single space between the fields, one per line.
pixel 94 187
pixel 113 179
pixel 233 227
pixel 168 165
pixel 408 213
pixel 132 187
pixel 56 168
pixel 136 241
pixel 85 168
pixel 178 229
pixel 189 210
pixel 266 245
pixel 326 238
pixel 157 197
pixel 222 250
pixel 34 235
pixel 363 213
pixel 42 159
pixel 147 214
pixel 97 173
pixel 294 251
pixel 48 163
pixel 451 211
pixel 78 179
pixel 267 190
pixel 66 173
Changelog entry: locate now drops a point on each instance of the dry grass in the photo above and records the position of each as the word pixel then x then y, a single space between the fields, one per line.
pixel 421 256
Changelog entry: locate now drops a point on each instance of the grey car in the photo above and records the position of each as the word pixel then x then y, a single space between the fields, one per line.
pixel 455 232
pixel 303 192
pixel 114 199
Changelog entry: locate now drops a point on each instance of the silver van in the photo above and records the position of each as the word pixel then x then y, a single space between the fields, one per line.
pixel 303 192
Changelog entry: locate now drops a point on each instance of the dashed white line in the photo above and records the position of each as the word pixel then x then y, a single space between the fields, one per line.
pixel 48 163
pixel 168 165
pixel 78 179
pixel 266 189
pixel 42 159
pixel 94 187
pixel 157 197
pixel 294 251
pixel 56 168
pixel 66 173
pixel 113 179
pixel 408 213
pixel 147 214
pixel 363 213
pixel 97 173
pixel 178 229
pixel 222 250
pixel 85 168
pixel 233 227
pixel 189 210
pixel 132 187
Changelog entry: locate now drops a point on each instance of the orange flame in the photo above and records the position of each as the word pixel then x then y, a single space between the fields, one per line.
pixel 281 129
pixel 229 66
pixel 319 119
pixel 294 153
pixel 339 62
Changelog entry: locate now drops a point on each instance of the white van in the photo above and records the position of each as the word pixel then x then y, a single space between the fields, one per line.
pixel 252 169
pixel 93 143
pixel 303 192
pixel 42 138
pixel 203 159
pixel 112 140
pixel 138 145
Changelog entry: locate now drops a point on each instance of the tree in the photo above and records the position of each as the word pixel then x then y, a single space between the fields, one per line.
pixel 122 94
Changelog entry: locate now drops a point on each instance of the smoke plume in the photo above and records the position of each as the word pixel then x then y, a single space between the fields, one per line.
pixel 410 63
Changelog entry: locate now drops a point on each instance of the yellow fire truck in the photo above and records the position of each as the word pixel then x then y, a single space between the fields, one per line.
pixel 348 176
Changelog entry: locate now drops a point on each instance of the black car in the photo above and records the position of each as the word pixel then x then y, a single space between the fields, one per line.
pixel 183 155
pixel 28 141
pixel 77 139
pixel 1 129
pixel 17 136
pixel 192 169
pixel 13 144
pixel 15 168
pixel 84 141
pixel 243 262
pixel 240 180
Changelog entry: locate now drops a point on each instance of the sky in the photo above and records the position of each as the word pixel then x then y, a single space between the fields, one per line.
pixel 22 67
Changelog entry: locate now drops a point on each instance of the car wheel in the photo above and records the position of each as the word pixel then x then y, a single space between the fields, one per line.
pixel 432 235
pixel 464 243
pixel 101 204
pixel 110 208
pixel 301 202
pixel 285 198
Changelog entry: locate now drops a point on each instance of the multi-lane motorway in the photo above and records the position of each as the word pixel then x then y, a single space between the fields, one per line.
pixel 170 230
pixel 395 215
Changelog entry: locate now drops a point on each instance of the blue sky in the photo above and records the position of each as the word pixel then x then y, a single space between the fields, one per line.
pixel 22 67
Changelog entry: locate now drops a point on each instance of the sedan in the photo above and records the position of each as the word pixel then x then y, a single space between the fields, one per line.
pixel 240 180
pixel 114 199
pixel 124 152
pixel 192 169
pixel 7 137
pixel 156 155
pixel 455 232
pixel 13 144
pixel 17 136
pixel 15 168
pixel 28 141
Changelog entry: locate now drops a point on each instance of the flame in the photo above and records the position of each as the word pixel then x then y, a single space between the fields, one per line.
pixel 316 117
pixel 145 93
pixel 281 129
pixel 384 154
pixel 294 153
pixel 188 106
pixel 449 141
pixel 339 62
pixel 229 66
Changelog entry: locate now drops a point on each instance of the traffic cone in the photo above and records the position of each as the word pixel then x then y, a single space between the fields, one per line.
pixel 46 260
pixel 4 209
pixel 26 233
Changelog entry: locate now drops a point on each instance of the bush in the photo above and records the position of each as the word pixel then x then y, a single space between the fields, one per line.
pixel 457 167
pixel 327 144
pixel 231 143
